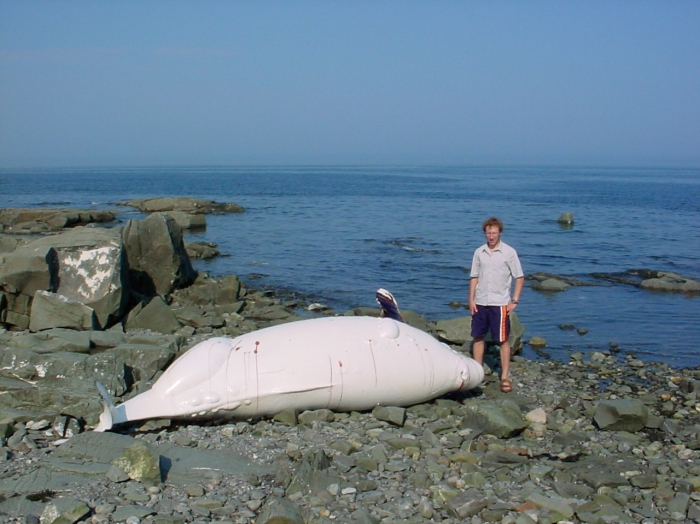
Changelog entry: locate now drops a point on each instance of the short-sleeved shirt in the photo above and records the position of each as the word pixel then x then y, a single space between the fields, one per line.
pixel 495 271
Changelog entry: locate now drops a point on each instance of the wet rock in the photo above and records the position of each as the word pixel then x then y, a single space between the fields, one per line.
pixel 552 285
pixel 185 204
pixel 566 218
pixel 202 250
pixel 671 282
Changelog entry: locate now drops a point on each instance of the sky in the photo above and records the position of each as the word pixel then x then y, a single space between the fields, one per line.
pixel 135 83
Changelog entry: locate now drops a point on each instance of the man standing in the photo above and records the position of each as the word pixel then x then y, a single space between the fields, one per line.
pixel 494 267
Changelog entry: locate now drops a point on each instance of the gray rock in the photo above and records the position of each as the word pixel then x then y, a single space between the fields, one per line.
pixel 64 511
pixel 155 316
pixel 455 331
pixel 52 310
pixel 671 282
pixel 501 418
pixel 188 220
pixel 144 360
pixel 185 204
pixel 141 462
pixel 566 218
pixel 158 262
pixel 280 511
pixel 621 415
pixel 202 250
pixel 392 414
pixel 29 269
pixel 91 271
pixel 320 415
pixel 467 504
pixel 550 285
pixel 36 220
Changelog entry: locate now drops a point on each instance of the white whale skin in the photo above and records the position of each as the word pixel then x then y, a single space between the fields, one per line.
pixel 339 363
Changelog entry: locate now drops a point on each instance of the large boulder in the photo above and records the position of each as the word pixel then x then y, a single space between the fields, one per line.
pixel 158 261
pixel 89 269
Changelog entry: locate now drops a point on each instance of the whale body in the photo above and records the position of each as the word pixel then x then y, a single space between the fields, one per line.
pixel 339 363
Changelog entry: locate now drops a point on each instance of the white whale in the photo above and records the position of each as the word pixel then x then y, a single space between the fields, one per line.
pixel 339 363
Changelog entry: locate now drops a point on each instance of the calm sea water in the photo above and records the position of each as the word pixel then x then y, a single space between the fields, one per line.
pixel 336 234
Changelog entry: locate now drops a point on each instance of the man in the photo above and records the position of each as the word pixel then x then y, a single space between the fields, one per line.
pixel 494 266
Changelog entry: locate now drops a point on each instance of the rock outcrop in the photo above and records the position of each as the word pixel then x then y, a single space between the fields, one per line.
pixel 42 220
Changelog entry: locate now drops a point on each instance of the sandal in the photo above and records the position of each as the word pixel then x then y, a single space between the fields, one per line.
pixel 506 385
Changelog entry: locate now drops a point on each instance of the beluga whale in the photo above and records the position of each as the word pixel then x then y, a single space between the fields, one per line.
pixel 344 363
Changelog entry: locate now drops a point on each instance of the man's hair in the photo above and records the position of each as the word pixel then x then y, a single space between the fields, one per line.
pixel 493 221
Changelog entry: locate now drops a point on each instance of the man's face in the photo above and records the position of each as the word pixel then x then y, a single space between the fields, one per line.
pixel 493 236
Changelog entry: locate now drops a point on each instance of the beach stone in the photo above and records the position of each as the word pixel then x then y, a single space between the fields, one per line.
pixel 52 310
pixel 537 342
pixel 140 462
pixel 392 414
pixel 621 415
pixel 501 418
pixel 317 415
pixel 157 260
pixel 64 511
pixel 131 511
pixel 280 511
pixel 554 505
pixel 466 504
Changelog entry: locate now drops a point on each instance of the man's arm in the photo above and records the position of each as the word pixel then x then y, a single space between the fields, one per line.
pixel 519 282
pixel 472 293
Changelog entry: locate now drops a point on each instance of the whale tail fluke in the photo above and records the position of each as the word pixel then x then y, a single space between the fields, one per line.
pixel 390 308
pixel 106 418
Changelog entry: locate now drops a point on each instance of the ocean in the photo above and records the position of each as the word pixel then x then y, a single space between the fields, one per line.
pixel 337 233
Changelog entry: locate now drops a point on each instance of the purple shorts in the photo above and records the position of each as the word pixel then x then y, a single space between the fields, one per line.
pixel 492 319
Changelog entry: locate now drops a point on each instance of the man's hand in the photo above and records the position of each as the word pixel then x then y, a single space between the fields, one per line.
pixel 472 307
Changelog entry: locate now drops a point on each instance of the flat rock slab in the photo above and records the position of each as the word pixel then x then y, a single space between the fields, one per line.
pixel 89 454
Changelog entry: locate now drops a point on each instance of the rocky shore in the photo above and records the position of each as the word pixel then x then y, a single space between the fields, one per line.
pixel 601 439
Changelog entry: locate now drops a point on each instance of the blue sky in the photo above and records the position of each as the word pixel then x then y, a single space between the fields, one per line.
pixel 349 82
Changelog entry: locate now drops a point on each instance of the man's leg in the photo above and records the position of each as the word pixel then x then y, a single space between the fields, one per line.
pixel 505 360
pixel 478 350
